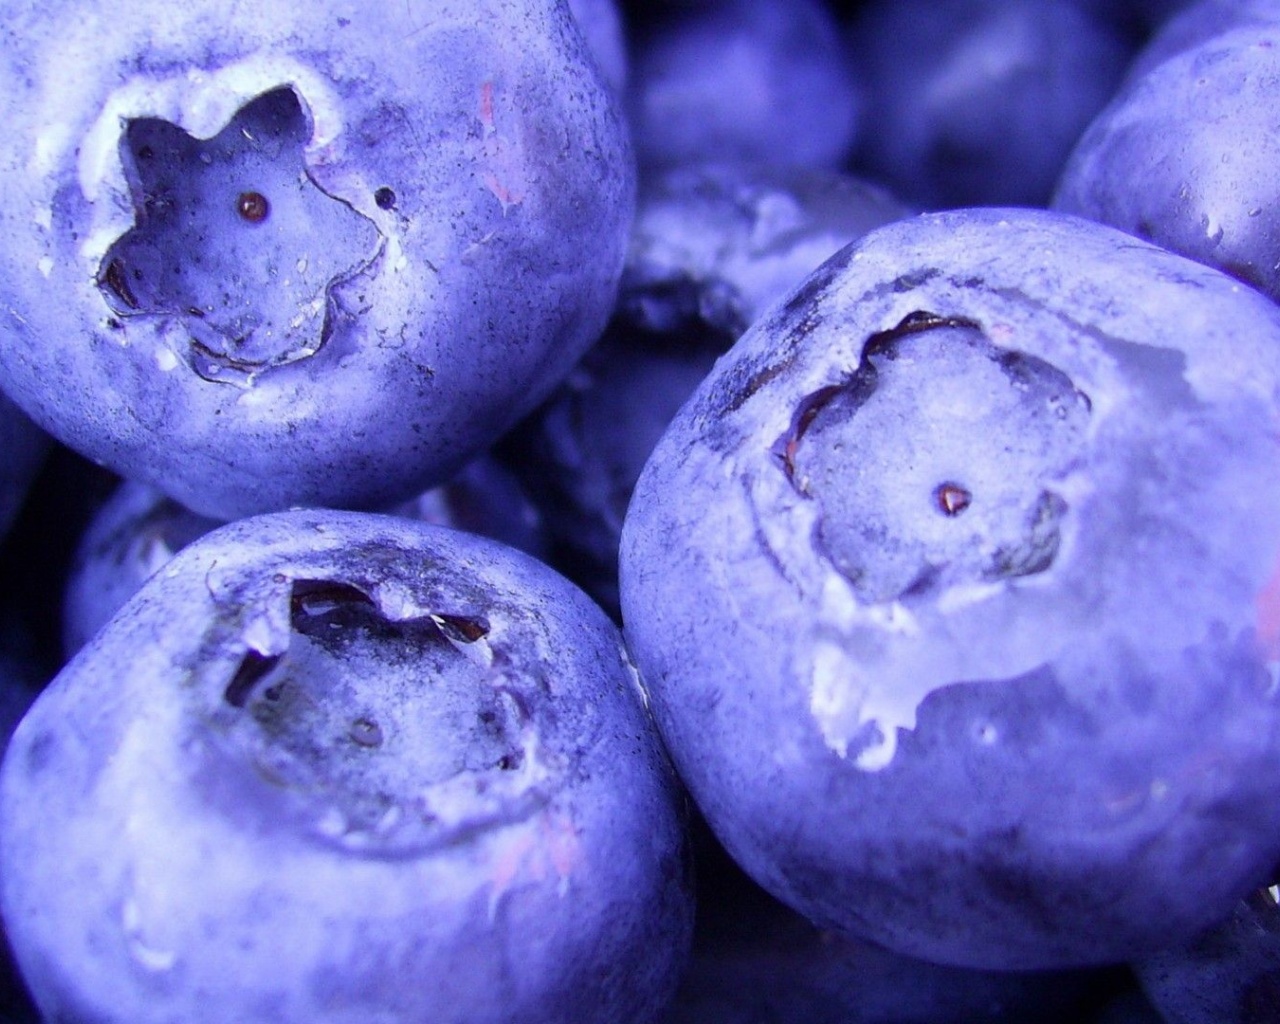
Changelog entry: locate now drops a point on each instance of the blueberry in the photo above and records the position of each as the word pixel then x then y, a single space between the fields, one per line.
pixel 954 586
pixel 347 767
pixel 1197 23
pixel 1229 975
pixel 979 101
pixel 134 535
pixel 138 531
pixel 715 243
pixel 602 26
pixel 713 246
pixel 314 257
pixel 1183 156
pixel 751 80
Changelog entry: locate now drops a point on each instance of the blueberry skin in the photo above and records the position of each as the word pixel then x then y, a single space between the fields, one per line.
pixel 1229 975
pixel 602 26
pixel 716 242
pixel 138 530
pixel 743 80
pixel 1196 24
pixel 1183 157
pixel 343 767
pixel 978 102
pixel 713 246
pixel 130 538
pixel 321 256
pixel 1030 732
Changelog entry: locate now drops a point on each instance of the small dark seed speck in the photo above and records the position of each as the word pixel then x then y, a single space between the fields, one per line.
pixel 253 207
pixel 952 499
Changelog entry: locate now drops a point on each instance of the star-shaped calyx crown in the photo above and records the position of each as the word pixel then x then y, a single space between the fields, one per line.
pixel 234 237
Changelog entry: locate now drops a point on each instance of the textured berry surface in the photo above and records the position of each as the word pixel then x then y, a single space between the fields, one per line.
pixel 412 764
pixel 979 101
pixel 954 586
pixel 1183 156
pixel 1228 975
pixel 320 256
pixel 713 246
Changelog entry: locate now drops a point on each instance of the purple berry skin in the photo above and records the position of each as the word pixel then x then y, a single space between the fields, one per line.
pixel 713 246
pixel 979 101
pixel 1229 975
pixel 133 535
pixel 320 256
pixel 715 243
pixel 336 766
pixel 1184 156
pixel 1196 24
pixel 955 589
pixel 138 530
pixel 743 80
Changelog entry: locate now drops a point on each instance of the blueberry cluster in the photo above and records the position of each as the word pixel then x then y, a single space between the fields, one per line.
pixel 593 512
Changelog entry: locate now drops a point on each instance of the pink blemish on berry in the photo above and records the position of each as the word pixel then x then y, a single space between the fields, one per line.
pixel 1267 605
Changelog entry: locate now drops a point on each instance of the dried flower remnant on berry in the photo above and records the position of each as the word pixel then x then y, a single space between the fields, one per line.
pixel 935 400
pixel 249 272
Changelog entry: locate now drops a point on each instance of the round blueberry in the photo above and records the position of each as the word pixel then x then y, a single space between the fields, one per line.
pixel 315 257
pixel 348 767
pixel 713 246
pixel 955 586
pixel 979 101
pixel 138 530
pixel 1196 23
pixel 759 81
pixel 1182 156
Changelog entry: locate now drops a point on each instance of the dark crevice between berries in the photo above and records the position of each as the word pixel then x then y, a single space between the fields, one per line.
pixel 234 239
pixel 934 462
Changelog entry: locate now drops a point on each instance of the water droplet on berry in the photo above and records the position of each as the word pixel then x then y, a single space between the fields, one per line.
pixel 366 732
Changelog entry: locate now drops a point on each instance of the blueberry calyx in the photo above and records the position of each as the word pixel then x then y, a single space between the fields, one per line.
pixel 878 344
pixel 934 461
pixel 234 239
pixel 367 759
